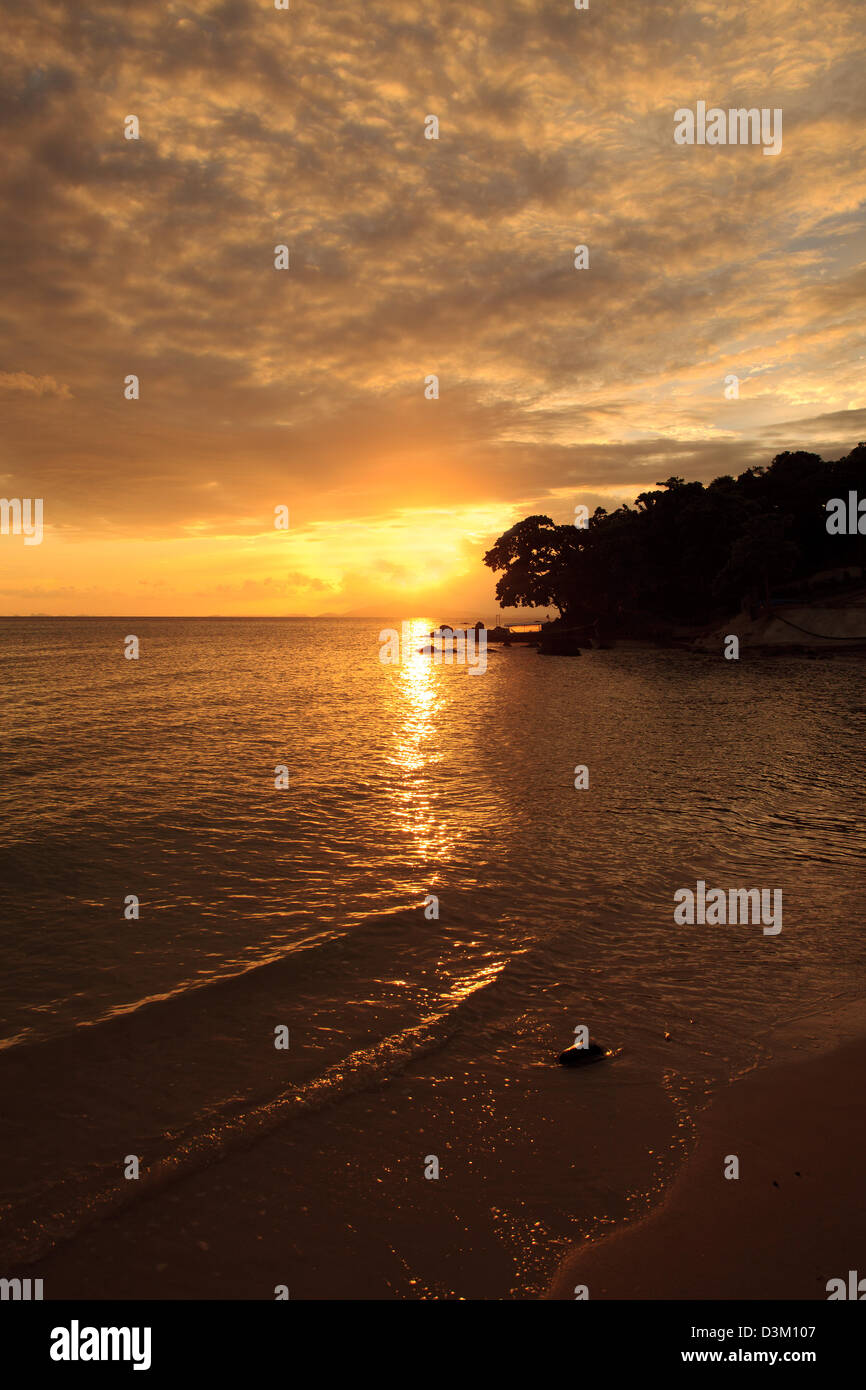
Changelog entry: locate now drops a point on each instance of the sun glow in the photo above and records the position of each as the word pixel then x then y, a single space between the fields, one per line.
pixel 371 565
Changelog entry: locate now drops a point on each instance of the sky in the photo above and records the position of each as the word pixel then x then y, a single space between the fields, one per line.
pixel 409 257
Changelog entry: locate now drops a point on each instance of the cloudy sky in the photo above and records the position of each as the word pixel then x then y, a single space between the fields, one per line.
pixel 409 256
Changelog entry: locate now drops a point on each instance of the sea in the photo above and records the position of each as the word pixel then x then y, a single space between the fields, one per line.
pixel 303 932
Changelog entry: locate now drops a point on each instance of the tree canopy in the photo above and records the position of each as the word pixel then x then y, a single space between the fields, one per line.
pixel 684 553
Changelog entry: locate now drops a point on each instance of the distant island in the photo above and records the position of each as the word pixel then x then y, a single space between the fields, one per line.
pixel 685 556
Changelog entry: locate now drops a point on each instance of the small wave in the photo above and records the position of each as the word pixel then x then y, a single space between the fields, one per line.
pixel 196 991
pixel 62 1210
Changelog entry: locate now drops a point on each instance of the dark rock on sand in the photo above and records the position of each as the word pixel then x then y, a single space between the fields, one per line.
pixel 575 1056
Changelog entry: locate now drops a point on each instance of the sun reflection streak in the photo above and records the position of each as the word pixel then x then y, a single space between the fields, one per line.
pixel 418 686
pixel 418 698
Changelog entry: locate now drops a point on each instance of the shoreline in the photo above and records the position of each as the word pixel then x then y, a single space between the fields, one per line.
pixel 793 1220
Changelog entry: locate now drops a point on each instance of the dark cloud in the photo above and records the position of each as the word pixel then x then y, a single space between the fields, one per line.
pixel 412 256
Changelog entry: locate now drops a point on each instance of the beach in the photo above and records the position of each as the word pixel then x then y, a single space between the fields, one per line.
pixel 432 638
pixel 792 1221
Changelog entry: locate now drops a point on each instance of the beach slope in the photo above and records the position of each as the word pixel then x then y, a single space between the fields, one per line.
pixel 794 1219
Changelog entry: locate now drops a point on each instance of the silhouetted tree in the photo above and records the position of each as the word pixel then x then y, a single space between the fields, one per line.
pixel 684 553
pixel 536 555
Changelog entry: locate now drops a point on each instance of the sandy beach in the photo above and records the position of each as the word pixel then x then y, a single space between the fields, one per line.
pixel 794 1218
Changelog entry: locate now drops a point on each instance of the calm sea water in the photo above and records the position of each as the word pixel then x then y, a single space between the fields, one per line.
pixel 305 907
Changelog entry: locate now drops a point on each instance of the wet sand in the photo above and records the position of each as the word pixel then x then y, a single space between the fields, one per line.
pixel 794 1219
pixel 306 1208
